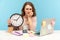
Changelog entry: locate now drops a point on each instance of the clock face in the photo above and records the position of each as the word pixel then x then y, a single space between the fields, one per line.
pixel 16 20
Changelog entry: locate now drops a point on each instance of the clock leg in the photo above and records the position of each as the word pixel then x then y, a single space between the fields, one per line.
pixel 16 28
pixel 20 28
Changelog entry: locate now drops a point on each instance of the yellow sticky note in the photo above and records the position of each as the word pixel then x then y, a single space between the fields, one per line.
pixel 44 23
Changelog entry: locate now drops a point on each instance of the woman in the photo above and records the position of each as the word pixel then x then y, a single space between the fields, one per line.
pixel 29 16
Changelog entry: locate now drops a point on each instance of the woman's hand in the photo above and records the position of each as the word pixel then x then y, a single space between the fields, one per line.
pixel 30 14
pixel 29 18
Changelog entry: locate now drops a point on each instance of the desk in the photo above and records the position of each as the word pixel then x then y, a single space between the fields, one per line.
pixel 7 36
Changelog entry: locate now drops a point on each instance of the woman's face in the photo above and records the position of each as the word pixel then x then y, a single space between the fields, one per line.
pixel 28 10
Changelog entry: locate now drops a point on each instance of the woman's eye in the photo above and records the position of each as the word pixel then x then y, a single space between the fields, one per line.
pixel 26 8
pixel 30 9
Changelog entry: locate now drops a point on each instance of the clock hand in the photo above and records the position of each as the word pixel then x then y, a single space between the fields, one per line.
pixel 17 18
pixel 14 19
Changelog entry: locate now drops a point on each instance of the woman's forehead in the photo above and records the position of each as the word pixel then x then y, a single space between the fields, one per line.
pixel 28 6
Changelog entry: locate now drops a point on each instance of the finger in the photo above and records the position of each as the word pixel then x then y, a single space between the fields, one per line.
pixel 31 13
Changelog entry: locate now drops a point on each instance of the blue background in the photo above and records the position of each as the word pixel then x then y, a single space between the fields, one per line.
pixel 44 9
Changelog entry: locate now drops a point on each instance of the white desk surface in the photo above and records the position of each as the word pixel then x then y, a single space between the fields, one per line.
pixel 7 36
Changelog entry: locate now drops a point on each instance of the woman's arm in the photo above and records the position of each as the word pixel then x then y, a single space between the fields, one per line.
pixel 32 23
pixel 9 22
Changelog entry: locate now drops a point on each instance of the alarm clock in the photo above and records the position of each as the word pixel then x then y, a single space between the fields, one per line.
pixel 16 20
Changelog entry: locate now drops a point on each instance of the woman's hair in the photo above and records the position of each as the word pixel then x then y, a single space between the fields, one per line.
pixel 33 9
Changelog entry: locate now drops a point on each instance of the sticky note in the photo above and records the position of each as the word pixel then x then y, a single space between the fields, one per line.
pixel 49 27
pixel 44 23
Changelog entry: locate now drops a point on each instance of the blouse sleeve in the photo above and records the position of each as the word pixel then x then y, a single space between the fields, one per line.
pixel 34 23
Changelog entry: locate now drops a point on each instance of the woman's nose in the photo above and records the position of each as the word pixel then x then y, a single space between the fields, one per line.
pixel 29 11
